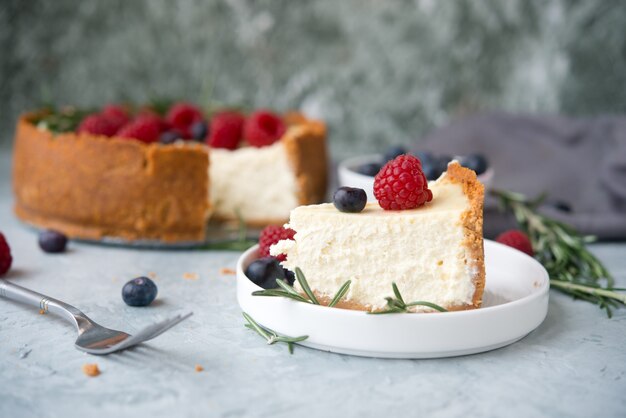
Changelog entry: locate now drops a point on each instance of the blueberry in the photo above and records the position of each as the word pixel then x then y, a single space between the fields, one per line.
pixel 442 162
pixel 350 199
pixel 393 152
pixel 369 169
pixel 199 130
pixel 264 272
pixel 52 241
pixel 424 156
pixel 476 162
pixel 140 291
pixel 169 137
pixel 290 276
pixel 432 169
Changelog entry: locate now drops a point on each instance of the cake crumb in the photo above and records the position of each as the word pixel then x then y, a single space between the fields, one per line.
pixel 42 312
pixel 191 276
pixel 198 368
pixel 152 275
pixel 440 262
pixel 91 369
pixel 227 272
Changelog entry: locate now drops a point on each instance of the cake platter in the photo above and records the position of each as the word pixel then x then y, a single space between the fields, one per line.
pixel 514 304
pixel 219 236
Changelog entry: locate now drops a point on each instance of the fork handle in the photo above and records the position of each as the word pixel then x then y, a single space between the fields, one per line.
pixel 44 303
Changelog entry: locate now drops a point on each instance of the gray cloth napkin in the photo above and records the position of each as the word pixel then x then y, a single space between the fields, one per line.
pixel 578 161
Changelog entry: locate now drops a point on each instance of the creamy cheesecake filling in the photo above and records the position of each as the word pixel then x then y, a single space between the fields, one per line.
pixel 422 250
pixel 257 183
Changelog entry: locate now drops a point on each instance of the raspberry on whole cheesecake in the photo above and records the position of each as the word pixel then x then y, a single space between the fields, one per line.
pixel 401 184
pixel 146 129
pixel 271 235
pixel 116 114
pixel 226 130
pixel 5 255
pixel 516 239
pixel 97 124
pixel 182 116
pixel 263 128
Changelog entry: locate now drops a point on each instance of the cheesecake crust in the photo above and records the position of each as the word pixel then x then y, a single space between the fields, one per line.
pixel 472 221
pixel 305 144
pixel 91 186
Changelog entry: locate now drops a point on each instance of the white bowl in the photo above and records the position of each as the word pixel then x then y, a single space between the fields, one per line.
pixel 348 176
pixel 514 304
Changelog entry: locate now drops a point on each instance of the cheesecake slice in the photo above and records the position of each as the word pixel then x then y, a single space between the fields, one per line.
pixel 433 253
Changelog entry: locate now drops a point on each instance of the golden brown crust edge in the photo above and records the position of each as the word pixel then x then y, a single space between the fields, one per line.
pixel 472 221
pixel 90 187
pixel 305 144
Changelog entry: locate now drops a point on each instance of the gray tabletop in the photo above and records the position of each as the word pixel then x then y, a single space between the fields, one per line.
pixel 574 364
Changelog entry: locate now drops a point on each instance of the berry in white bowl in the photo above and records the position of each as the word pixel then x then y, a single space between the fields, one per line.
pixel 360 171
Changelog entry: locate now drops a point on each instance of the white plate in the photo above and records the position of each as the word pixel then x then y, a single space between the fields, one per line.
pixel 514 304
pixel 348 176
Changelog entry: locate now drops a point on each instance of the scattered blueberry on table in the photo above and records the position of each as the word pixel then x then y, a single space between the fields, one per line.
pixel 264 272
pixel 140 291
pixel 52 241
pixel 350 199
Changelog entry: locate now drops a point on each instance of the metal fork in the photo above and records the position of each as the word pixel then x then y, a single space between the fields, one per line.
pixel 92 338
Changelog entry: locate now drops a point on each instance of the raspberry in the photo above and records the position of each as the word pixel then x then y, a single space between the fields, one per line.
pixel 263 128
pixel 144 128
pixel 226 130
pixel 401 184
pixel 5 255
pixel 516 239
pixel 154 118
pixel 182 115
pixel 271 235
pixel 98 125
pixel 116 114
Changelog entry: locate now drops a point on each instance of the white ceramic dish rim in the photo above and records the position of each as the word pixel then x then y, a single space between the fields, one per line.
pixel 540 292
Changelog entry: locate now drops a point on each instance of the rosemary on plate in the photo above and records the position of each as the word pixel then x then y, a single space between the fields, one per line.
pixel 287 291
pixel 271 336
pixel 398 305
pixel 394 305
pixel 573 269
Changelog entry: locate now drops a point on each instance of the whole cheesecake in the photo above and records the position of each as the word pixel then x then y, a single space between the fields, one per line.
pixel 93 186
pixel 433 253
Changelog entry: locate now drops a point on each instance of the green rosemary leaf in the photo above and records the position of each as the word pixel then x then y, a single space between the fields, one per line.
pixel 272 336
pixel 287 288
pixel 340 293
pixel 428 304
pixel 256 326
pixel 573 269
pixel 305 286
pixel 281 293
pixel 396 292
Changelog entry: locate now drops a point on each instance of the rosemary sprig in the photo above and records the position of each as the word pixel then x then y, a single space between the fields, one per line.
pixel 271 336
pixel 289 292
pixel 573 269
pixel 398 305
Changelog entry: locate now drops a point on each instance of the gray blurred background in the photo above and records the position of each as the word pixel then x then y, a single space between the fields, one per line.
pixel 378 72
